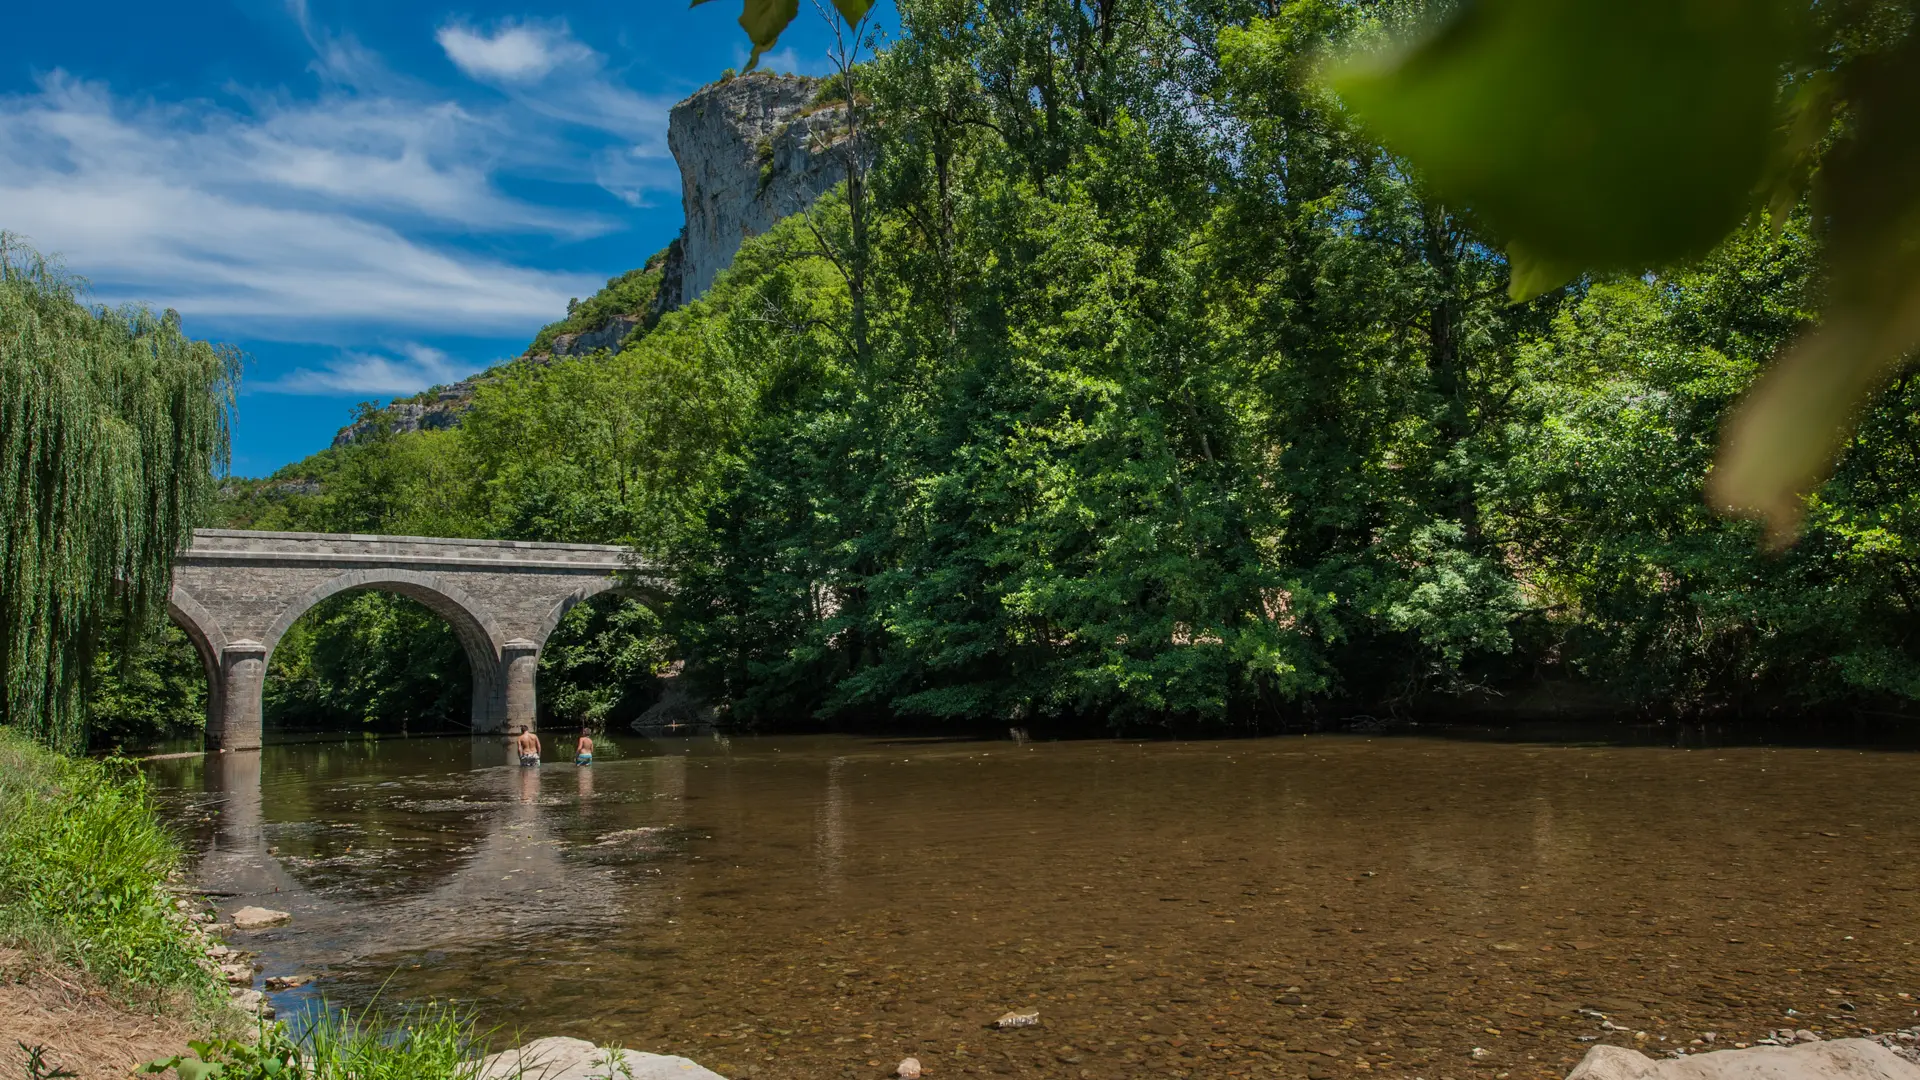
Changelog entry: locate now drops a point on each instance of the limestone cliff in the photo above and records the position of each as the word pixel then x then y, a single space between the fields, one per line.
pixel 751 149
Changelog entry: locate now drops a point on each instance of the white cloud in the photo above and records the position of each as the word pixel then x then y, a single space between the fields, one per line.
pixel 277 220
pixel 514 52
pixel 371 207
pixel 370 374
pixel 545 71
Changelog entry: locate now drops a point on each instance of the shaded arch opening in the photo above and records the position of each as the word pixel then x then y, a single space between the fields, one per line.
pixel 208 640
pixel 383 650
pixel 603 649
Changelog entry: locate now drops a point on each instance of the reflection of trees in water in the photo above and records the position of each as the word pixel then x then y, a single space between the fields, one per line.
pixel 832 831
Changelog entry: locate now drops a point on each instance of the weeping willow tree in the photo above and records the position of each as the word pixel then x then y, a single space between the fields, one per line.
pixel 112 426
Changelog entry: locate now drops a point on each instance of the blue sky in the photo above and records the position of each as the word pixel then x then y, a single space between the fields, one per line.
pixel 367 197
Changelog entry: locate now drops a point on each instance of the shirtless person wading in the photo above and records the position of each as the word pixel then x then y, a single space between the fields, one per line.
pixel 529 745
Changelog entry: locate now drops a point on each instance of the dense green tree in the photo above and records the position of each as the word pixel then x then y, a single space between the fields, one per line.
pixel 368 659
pixel 1134 386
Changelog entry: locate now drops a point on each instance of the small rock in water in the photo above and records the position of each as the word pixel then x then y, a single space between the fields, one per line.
pixel 1480 1053
pixel 1805 1036
pixel 1018 1019
pixel 288 982
pixel 220 929
pixel 908 1070
pixel 1289 999
pixel 259 918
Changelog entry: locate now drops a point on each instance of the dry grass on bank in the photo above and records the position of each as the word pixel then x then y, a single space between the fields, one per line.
pixel 81 1026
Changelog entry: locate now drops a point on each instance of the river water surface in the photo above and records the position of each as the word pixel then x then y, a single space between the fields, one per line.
pixel 1314 907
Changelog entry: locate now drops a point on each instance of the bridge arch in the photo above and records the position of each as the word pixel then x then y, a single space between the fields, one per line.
pixel 209 641
pixel 470 620
pixel 650 596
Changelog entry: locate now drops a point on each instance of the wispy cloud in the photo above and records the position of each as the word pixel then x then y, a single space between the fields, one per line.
pixel 273 220
pixel 371 374
pixel 374 206
pixel 513 51
pixel 542 69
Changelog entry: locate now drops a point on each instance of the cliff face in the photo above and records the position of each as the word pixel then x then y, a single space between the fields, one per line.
pixel 441 410
pixel 751 150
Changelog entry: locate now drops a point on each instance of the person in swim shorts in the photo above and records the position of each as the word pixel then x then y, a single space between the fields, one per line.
pixel 583 750
pixel 529 746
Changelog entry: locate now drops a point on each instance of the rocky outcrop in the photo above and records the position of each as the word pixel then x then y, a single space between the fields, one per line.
pixel 752 150
pixel 442 408
pixel 673 276
pixel 609 336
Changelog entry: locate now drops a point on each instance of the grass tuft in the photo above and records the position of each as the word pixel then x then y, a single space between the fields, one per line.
pixel 84 863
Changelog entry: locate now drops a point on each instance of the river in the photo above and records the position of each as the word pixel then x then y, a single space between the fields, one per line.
pixel 1318 907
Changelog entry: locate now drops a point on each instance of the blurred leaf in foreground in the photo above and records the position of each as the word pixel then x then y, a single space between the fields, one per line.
pixel 1780 441
pixel 1588 134
pixel 764 20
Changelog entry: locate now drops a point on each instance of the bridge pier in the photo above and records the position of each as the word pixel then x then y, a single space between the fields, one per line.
pixel 233 721
pixel 519 672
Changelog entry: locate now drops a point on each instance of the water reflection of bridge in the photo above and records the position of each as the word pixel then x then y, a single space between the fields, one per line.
pixel 515 878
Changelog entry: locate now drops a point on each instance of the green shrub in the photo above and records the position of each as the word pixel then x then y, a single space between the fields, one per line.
pixel 83 869
pixel 433 1042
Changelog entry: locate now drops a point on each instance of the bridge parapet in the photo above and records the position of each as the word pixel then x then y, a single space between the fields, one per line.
pixel 238 591
pixel 242 546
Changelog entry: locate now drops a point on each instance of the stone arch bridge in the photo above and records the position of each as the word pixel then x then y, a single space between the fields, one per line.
pixel 236 593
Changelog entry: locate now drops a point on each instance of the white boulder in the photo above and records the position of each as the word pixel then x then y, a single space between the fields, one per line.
pixel 1837 1059
pixel 578 1059
pixel 259 918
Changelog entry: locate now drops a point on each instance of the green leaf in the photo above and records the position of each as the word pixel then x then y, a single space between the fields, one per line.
pixel 853 10
pixel 763 20
pixel 1593 134
pixel 1780 442
pixel 195 1069
pixel 1529 276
